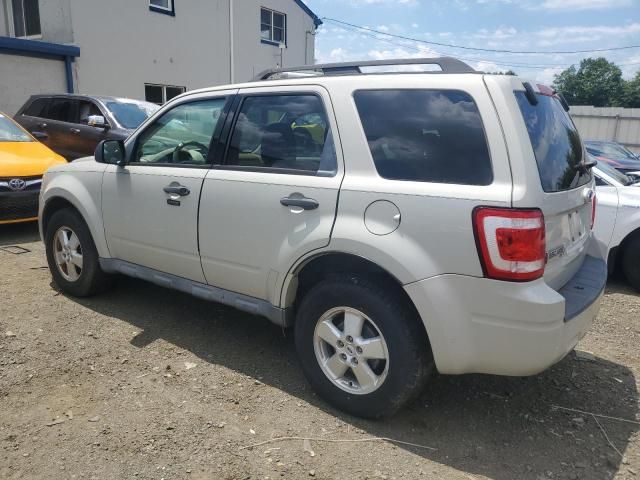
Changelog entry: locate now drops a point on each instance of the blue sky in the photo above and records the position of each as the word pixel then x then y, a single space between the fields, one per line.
pixel 531 25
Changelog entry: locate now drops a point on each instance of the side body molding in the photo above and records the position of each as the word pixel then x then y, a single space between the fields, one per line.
pixel 206 292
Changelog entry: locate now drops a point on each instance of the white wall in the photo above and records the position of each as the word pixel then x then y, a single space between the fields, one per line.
pixel 252 56
pixel 29 76
pixel 612 124
pixel 123 45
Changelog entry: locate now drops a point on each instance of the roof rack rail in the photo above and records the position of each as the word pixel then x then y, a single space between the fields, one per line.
pixel 447 64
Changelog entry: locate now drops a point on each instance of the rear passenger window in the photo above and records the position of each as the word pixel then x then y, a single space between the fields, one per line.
pixel 425 136
pixel 36 109
pixel 286 133
pixel 61 110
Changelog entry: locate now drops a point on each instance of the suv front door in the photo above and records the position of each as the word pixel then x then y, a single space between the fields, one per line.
pixel 150 207
pixel 273 197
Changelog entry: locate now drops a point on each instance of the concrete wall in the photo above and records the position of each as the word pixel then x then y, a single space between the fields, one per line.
pixel 32 75
pixel 131 45
pixel 612 124
pixel 252 56
pixel 55 20
pixel 123 45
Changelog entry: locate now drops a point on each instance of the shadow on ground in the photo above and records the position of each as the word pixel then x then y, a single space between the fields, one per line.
pixel 502 428
pixel 17 233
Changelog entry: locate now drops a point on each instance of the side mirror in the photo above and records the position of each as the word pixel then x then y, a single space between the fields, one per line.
pixel 40 136
pixel 97 121
pixel 111 152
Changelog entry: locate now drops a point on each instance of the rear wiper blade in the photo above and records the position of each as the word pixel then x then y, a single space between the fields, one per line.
pixel 585 167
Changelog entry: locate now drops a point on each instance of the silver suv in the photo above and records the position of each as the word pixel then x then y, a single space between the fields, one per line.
pixel 399 222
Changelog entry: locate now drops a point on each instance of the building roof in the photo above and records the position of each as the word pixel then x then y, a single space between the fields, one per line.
pixel 309 12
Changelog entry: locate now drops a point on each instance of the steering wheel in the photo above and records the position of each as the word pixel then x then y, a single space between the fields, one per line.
pixel 203 150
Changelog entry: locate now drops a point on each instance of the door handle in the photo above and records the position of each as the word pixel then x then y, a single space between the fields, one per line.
pixel 177 189
pixel 74 130
pixel 300 201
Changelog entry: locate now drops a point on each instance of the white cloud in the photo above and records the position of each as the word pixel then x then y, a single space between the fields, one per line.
pixel 583 4
pixel 378 2
pixel 547 75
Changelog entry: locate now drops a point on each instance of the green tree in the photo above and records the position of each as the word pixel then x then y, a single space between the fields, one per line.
pixel 596 82
pixel 631 93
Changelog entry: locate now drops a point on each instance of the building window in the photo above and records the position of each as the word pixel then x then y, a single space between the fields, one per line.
pixel 161 94
pixel 26 18
pixel 273 26
pixel 162 6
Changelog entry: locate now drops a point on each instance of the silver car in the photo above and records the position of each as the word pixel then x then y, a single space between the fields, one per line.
pixel 399 222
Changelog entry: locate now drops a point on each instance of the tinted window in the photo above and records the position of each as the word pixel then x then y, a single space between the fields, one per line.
pixel 425 136
pixel 61 109
pixel 555 141
pixel 182 136
pixel 154 94
pixel 287 132
pixel 36 108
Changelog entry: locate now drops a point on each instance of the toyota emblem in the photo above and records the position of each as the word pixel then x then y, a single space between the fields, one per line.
pixel 17 184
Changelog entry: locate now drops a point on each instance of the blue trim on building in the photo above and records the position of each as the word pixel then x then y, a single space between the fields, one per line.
pixel 39 49
pixel 308 11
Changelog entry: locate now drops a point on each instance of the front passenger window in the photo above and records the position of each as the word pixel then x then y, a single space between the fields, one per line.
pixel 283 134
pixel 182 136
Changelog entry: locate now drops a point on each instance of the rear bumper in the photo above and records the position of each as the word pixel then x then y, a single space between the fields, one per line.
pixel 478 325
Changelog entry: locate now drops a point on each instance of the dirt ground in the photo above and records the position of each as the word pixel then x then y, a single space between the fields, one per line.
pixel 147 383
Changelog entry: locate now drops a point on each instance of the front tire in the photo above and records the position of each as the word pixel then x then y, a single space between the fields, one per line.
pixel 72 256
pixel 361 346
pixel 631 262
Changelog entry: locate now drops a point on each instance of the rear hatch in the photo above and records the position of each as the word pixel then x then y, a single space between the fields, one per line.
pixel 567 192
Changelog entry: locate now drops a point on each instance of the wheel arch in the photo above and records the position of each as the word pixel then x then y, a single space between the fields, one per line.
pixel 622 247
pixel 57 198
pixel 325 264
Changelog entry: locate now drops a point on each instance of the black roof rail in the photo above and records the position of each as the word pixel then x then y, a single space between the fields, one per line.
pixel 447 65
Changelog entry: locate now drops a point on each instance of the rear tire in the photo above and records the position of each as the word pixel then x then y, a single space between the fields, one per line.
pixel 631 262
pixel 372 374
pixel 72 256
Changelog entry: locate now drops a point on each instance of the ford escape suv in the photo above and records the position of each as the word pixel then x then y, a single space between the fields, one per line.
pixel 399 222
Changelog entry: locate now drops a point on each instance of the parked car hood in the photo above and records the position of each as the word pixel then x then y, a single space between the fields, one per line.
pixel 621 163
pixel 26 159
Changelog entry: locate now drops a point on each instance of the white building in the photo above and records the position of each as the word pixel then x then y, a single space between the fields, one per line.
pixel 145 49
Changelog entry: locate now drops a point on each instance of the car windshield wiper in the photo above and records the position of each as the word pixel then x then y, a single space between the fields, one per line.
pixel 586 166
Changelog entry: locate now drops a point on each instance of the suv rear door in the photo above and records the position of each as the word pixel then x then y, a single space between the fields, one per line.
pixel 272 196
pixel 547 162
pixel 58 123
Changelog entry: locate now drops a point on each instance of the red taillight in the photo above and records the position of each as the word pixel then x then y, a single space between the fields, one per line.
pixel 511 243
pixel 594 204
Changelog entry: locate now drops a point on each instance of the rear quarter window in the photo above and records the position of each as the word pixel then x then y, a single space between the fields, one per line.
pixel 425 136
pixel 555 141
pixel 36 108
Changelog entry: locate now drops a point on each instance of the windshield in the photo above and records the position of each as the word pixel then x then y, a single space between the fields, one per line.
pixel 130 114
pixel 610 150
pixel 10 132
pixel 556 143
pixel 617 175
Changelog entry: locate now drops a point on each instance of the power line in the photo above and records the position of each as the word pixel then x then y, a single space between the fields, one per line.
pixel 413 47
pixel 478 49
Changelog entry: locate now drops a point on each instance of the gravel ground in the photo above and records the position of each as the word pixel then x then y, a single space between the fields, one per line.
pixel 148 383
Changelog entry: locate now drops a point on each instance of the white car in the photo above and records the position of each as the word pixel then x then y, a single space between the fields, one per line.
pixel 617 228
pixel 400 222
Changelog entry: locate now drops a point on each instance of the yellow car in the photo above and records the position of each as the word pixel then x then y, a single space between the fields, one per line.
pixel 23 161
